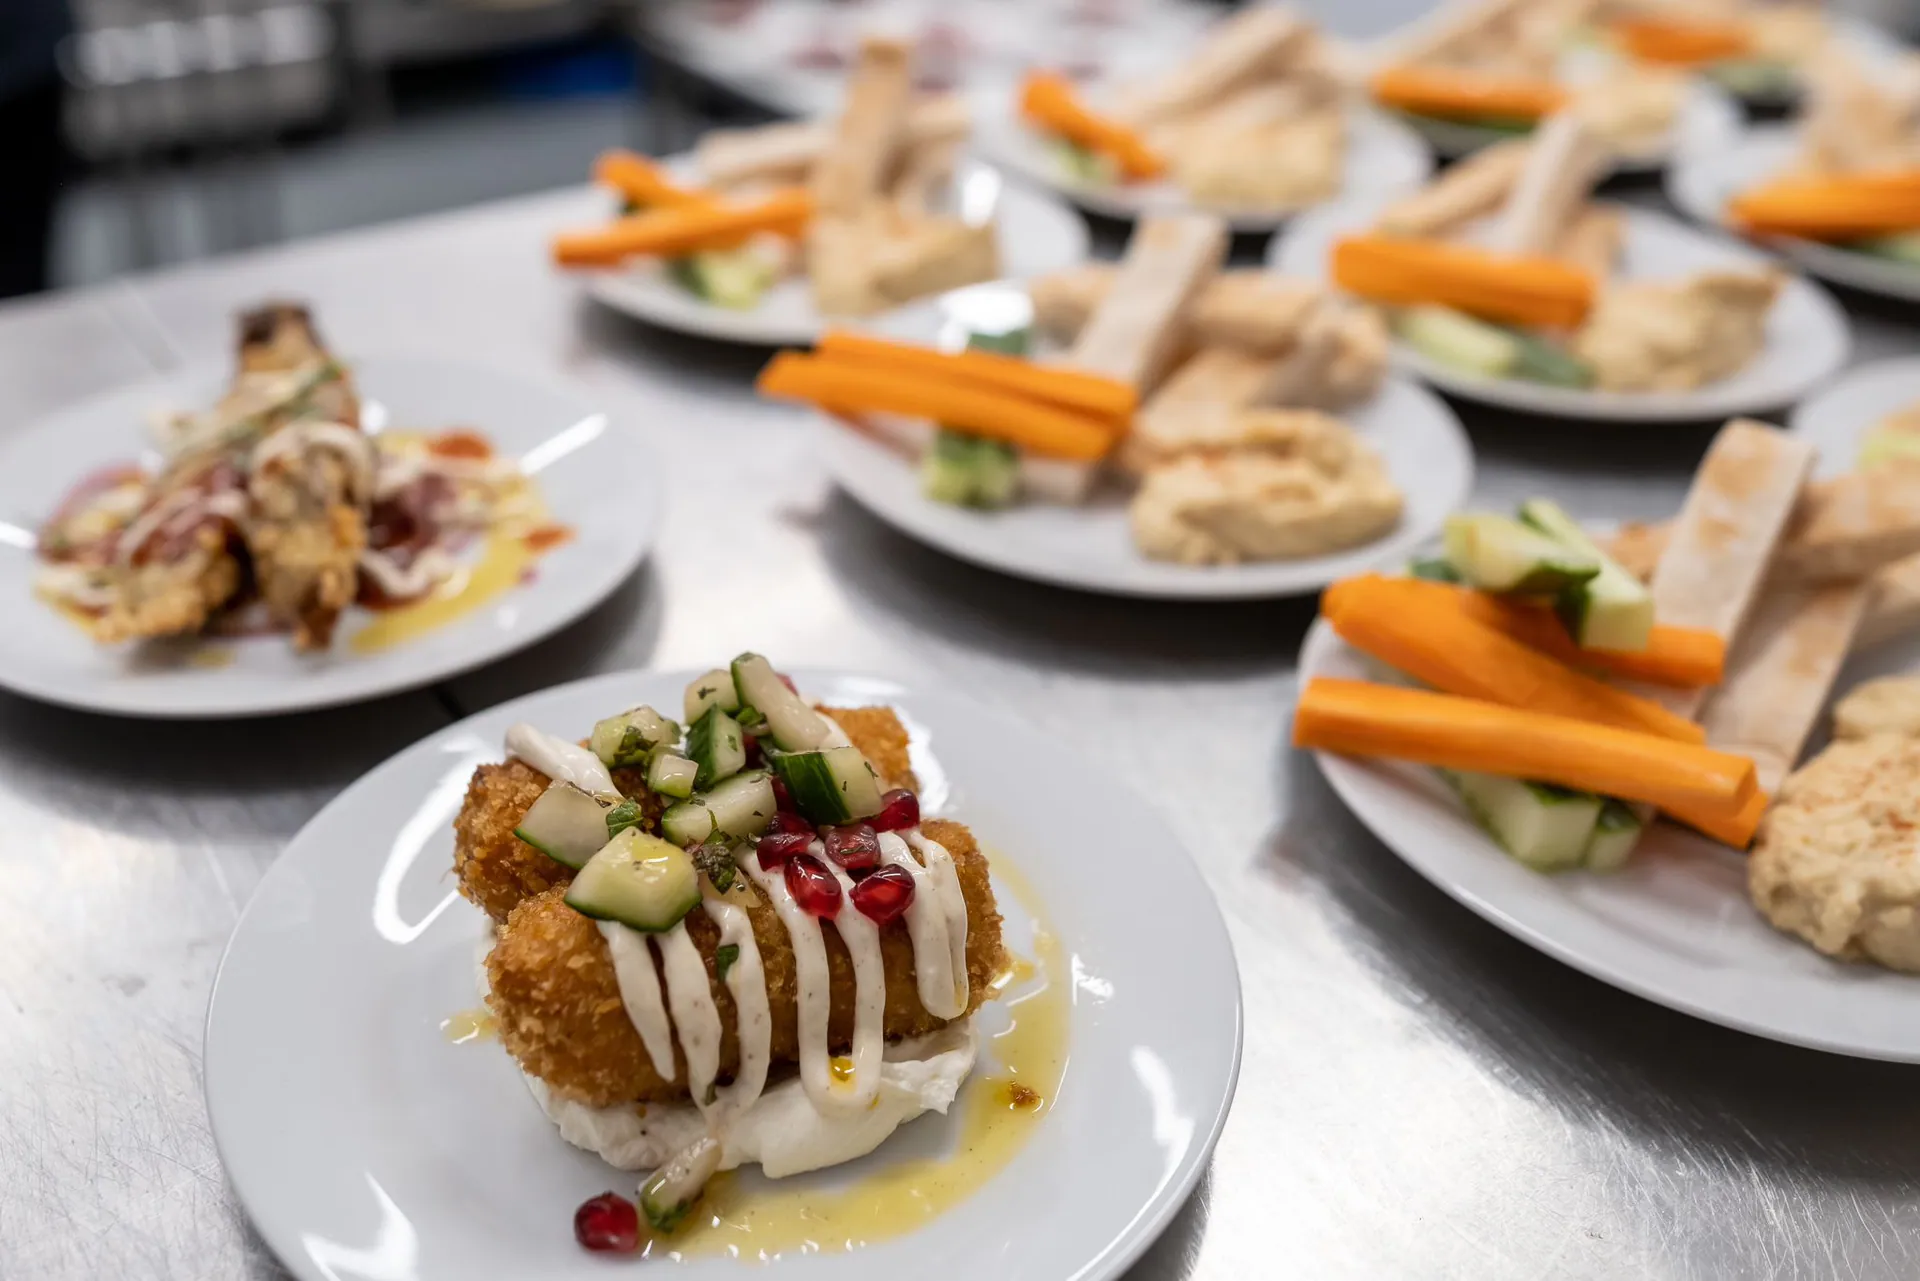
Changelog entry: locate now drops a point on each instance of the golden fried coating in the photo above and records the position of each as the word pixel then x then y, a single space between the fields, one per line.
pixel 305 533
pixel 557 999
pixel 497 869
pixel 881 738
pixel 175 596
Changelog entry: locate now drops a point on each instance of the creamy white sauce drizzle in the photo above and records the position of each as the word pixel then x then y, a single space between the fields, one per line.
pixel 428 570
pixel 753 1026
pixel 953 904
pixel 695 1015
pixel 814 995
pixel 347 443
pixel 862 938
pixel 927 927
pixel 640 993
pixel 559 760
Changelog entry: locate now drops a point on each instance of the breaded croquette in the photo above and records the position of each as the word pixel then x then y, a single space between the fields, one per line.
pixel 497 869
pixel 557 999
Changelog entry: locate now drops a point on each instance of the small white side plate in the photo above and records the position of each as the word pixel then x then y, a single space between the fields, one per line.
pixel 1675 926
pixel 1702 183
pixel 595 474
pixel 1091 546
pixel 1383 155
pixel 1708 118
pixel 1037 234
pixel 362 1143
pixel 1807 334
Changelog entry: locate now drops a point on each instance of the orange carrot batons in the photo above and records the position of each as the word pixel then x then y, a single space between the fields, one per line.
pixel 643 182
pixel 1050 103
pixel 1836 207
pixel 1500 287
pixel 1085 393
pixel 682 229
pixel 1469 95
pixel 1360 719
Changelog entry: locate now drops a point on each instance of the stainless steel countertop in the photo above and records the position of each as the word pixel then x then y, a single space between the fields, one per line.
pixel 1421 1095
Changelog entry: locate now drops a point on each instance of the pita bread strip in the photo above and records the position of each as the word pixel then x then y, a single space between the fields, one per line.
pixel 872 126
pixel 1135 331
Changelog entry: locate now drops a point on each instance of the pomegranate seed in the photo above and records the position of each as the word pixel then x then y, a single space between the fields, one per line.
pixel 813 887
pixel 788 682
pixel 752 748
pixel 788 821
pixel 782 797
pixel 884 894
pixel 899 810
pixel 855 847
pixel 607 1223
pixel 776 848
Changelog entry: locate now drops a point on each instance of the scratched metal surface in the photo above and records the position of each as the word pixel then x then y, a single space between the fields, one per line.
pixel 1421 1096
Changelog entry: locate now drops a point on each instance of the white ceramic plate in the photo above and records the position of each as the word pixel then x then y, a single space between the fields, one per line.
pixel 1675 926
pixel 1702 184
pixel 595 475
pixel 1708 118
pixel 1807 333
pixel 1091 546
pixel 363 1144
pixel 1838 418
pixel 1037 234
pixel 1383 155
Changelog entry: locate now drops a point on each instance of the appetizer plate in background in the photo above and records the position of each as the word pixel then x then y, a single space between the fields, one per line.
pixel 1838 418
pixel 596 478
pixel 1674 926
pixel 1807 333
pixel 1703 182
pixel 363 1142
pixel 1037 234
pixel 1708 118
pixel 1383 155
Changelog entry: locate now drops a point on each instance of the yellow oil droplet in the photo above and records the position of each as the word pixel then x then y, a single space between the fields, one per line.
pixel 750 1217
pixel 211 656
pixel 470 1025
pixel 842 1069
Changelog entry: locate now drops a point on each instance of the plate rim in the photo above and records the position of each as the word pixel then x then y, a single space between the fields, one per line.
pixel 1204 583
pixel 1315 650
pixel 1113 1259
pixel 168 381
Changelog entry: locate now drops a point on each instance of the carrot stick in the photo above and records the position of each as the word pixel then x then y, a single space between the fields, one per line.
pixel 1398 622
pixel 1504 287
pixel 643 182
pixel 1682 43
pixel 1840 207
pixel 1356 718
pixel 1470 95
pixel 1066 388
pixel 1050 102
pixel 1734 826
pixel 682 229
pixel 1684 657
pixel 849 388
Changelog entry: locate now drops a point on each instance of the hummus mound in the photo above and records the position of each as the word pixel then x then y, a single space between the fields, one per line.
pixel 1837 860
pixel 1676 335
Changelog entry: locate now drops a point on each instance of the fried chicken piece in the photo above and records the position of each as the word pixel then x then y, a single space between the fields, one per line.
pixel 497 869
pixel 311 480
pixel 172 597
pixel 557 999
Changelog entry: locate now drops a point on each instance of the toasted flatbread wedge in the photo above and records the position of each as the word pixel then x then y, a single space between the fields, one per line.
pixel 852 172
pixel 1250 309
pixel 1451 30
pixel 1196 404
pixel 1742 497
pixel 1562 165
pixel 1466 192
pixel 1781 671
pixel 1135 332
pixel 1893 608
pixel 1255 44
pixel 1852 525
pixel 786 153
pixel 1591 241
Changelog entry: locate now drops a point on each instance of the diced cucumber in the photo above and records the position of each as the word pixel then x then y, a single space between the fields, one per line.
pixel 795 726
pixel 1008 342
pixel 566 824
pixel 628 739
pixel 1547 828
pixel 1083 165
pixel 672 775
pixel 1501 555
pixel 1611 610
pixel 638 880
pixel 834 786
pixel 1543 362
pixel 715 689
pixel 741 807
pixel 736 279
pixel 1763 80
pixel 1436 569
pixel 970 471
pixel 1901 246
pixel 1459 341
pixel 716 744
pixel 1615 834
